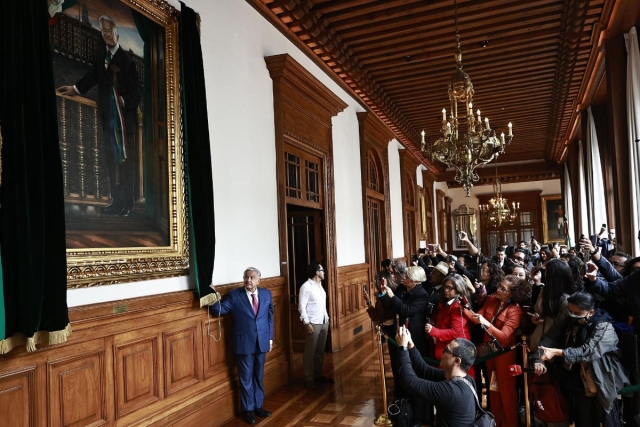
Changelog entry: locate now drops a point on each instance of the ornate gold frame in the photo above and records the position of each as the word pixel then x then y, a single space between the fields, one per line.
pixel 545 225
pixel 91 267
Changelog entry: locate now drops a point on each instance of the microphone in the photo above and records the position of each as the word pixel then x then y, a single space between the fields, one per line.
pixel 515 370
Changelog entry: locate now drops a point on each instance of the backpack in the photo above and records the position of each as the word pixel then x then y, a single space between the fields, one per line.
pixel 483 418
pixel 549 404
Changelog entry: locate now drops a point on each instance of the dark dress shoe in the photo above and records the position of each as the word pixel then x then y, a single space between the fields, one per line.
pixel 249 417
pixel 126 212
pixel 324 380
pixel 261 412
pixel 112 209
pixel 310 385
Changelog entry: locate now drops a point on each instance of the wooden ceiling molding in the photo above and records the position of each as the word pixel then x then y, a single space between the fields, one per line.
pixel 534 63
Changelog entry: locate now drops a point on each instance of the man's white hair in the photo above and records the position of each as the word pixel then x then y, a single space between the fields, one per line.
pixel 109 19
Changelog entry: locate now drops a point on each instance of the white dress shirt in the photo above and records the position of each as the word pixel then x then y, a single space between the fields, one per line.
pixel 313 303
pixel 249 296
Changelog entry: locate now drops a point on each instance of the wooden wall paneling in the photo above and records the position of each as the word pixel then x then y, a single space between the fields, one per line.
pixel 137 368
pixel 529 202
pixel 181 363
pixel 18 399
pixel 114 370
pixel 218 349
pixel 354 319
pixel 303 108
pixel 410 212
pixel 375 137
pixel 428 178
pixel 76 386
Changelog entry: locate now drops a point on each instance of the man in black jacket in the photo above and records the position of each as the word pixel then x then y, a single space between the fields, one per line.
pixel 451 389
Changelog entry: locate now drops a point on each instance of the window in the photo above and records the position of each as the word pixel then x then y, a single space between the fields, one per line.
pixel 302 187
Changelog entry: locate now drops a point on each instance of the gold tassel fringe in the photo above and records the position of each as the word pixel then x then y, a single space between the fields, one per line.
pixel 209 299
pixel 41 337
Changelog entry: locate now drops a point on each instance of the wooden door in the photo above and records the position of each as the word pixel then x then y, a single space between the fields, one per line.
pixel 375 214
pixel 305 246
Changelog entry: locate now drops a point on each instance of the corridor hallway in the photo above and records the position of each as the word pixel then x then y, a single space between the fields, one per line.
pixel 354 400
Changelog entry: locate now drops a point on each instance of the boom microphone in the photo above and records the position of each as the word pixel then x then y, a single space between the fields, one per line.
pixel 515 370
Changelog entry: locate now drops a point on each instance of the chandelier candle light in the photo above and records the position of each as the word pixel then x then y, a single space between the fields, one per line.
pixel 461 151
pixel 497 210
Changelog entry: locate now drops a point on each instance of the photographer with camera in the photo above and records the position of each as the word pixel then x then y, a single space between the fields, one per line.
pixel 449 388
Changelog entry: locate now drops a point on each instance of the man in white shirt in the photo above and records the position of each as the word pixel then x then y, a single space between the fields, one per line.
pixel 312 306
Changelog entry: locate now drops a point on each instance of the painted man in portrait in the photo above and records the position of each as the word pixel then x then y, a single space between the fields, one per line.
pixel 119 94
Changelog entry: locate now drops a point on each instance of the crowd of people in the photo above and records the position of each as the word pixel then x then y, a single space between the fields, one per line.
pixel 578 306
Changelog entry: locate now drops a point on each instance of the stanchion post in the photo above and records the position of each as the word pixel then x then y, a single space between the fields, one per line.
pixel 525 376
pixel 382 419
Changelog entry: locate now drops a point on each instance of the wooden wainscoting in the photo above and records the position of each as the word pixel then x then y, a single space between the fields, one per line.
pixel 354 320
pixel 151 361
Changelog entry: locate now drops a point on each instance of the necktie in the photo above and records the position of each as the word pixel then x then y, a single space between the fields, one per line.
pixel 254 303
pixel 107 59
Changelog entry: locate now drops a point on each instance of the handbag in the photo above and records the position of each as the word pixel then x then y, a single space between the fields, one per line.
pixel 549 404
pixel 401 413
pixel 483 418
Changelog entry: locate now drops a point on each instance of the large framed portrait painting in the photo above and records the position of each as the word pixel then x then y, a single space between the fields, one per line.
pixel 116 71
pixel 553 219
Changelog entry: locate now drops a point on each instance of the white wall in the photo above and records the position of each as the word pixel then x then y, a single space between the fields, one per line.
pixel 235 40
pixel 395 198
pixel 349 215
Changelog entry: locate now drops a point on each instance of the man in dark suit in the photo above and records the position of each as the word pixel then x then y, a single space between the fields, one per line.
pixel 252 313
pixel 118 97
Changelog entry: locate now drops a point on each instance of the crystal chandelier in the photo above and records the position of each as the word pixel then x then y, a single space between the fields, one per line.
pixel 461 151
pixel 497 211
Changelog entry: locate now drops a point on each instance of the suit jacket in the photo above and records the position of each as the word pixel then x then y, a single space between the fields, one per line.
pixel 248 328
pixel 122 71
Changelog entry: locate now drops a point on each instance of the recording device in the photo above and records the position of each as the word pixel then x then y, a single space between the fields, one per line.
pixel 415 257
pixel 604 225
pixel 406 323
pixel 422 250
pixel 431 246
pixel 515 370
pixel 366 294
pixel 429 311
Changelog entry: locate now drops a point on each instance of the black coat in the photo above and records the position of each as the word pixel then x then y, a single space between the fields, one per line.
pixel 411 306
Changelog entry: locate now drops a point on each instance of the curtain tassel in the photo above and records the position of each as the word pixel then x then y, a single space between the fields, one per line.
pixel 209 299
pixel 31 345
pixel 59 337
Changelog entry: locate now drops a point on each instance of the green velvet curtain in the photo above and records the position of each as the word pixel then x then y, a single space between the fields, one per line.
pixel 32 228
pixel 198 151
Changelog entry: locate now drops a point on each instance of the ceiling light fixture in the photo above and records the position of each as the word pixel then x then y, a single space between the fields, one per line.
pixel 479 145
pixel 497 210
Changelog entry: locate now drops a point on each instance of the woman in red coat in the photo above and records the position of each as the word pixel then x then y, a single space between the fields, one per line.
pixel 501 316
pixel 450 322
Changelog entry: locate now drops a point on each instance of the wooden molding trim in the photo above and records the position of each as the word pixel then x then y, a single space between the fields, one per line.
pixel 509 174
pixel 298 97
pixel 153 364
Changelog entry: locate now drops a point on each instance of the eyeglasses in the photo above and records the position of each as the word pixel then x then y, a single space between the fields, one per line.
pixel 618 264
pixel 321 270
pixel 448 350
pixel 519 259
pixel 503 289
pixel 448 288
